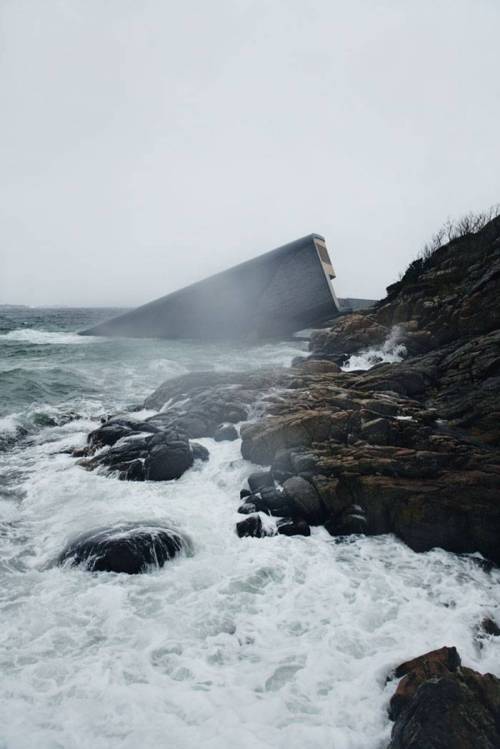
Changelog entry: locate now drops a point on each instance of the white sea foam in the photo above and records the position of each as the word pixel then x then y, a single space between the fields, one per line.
pixel 44 337
pixel 391 351
pixel 256 643
pixel 281 643
pixel 9 424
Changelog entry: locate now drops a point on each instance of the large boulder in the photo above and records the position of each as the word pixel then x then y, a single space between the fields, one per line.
pixel 272 501
pixel 117 428
pixel 293 527
pixel 350 334
pixel 305 500
pixel 170 455
pixel 161 456
pixel 262 441
pixel 260 480
pixel 441 705
pixel 254 527
pixel 127 548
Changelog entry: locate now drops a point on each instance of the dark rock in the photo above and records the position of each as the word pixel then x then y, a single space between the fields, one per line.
pixel 262 441
pixel 130 549
pixel 433 664
pixel 282 476
pixel 170 458
pixel 303 462
pixel 490 627
pixel 135 471
pixel 117 455
pixel 352 520
pixel 291 527
pixel 282 461
pixel 252 526
pixel 226 432
pixel 274 502
pixel 441 705
pixel 200 452
pixel 194 425
pixel 117 428
pixel 260 480
pixel 165 463
pixel 305 500
pixel 108 434
pixel 247 508
pixel 350 334
pixel 245 493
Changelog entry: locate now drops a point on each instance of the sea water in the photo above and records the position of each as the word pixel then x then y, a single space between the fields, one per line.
pixel 275 643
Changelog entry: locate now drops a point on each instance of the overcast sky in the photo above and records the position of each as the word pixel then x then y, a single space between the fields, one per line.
pixel 145 144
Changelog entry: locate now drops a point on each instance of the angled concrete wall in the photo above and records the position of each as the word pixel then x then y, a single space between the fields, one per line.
pixel 274 294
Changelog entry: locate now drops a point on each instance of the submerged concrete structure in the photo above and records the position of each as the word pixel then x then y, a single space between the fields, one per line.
pixel 274 294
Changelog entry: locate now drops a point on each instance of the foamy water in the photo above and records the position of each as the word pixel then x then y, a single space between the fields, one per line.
pixel 253 643
pixel 46 337
pixel 391 351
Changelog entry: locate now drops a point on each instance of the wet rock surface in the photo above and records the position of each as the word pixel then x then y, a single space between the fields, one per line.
pixel 125 549
pixel 169 456
pixel 162 455
pixel 411 448
pixel 226 433
pixel 439 704
pixel 453 296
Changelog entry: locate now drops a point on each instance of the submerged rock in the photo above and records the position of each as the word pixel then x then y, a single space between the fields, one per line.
pixel 489 627
pixel 293 527
pixel 130 549
pixel 439 704
pixel 253 526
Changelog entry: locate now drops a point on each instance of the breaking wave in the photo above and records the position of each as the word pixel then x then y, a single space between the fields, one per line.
pixel 46 337
pixel 255 643
pixel 391 351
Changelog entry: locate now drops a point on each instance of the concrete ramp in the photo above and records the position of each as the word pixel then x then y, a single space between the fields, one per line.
pixel 272 295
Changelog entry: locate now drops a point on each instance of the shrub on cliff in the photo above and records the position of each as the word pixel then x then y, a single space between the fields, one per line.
pixel 470 223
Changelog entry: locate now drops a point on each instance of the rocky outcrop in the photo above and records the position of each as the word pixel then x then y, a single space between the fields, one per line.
pixel 376 442
pixel 141 451
pixel 410 448
pixel 439 704
pixel 454 295
pixel 129 549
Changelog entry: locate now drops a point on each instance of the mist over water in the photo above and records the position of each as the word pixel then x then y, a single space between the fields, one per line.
pixel 254 643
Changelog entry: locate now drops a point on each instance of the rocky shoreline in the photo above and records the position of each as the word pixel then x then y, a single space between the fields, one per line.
pixel 410 448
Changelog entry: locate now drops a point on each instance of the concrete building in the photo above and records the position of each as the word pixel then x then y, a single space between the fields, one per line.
pixel 272 295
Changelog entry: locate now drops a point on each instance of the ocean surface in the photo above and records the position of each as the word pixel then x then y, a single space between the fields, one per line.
pixel 275 643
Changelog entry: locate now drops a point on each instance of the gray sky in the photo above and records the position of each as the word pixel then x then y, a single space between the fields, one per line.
pixel 145 144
